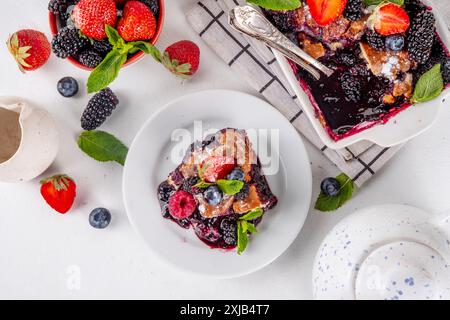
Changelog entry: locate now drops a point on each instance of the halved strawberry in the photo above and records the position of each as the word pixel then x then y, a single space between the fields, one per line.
pixel 389 19
pixel 216 167
pixel 326 11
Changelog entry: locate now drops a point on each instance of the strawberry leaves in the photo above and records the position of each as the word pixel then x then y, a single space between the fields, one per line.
pixel 181 70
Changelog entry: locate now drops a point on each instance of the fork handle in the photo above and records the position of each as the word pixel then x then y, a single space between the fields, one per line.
pixel 248 20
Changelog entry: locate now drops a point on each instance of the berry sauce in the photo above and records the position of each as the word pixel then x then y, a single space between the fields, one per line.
pixel 342 116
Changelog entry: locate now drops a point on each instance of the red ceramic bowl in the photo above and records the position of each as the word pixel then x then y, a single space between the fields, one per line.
pixel 54 29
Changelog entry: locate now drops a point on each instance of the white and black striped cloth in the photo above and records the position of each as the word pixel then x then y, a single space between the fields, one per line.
pixel 255 63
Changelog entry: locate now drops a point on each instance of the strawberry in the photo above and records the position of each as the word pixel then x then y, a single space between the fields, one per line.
pixel 91 17
pixel 182 205
pixel 389 19
pixel 30 48
pixel 137 22
pixel 182 58
pixel 326 11
pixel 59 192
pixel 216 167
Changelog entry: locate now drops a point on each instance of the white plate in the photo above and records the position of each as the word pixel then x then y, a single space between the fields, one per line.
pixel 148 164
pixel 399 129
pixel 385 252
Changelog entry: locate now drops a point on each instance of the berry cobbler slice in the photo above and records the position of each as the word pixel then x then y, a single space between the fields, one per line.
pixel 219 190
pixel 379 53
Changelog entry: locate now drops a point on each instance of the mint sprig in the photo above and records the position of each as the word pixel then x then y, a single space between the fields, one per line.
pixel 244 227
pixel 369 3
pixel 229 187
pixel 328 203
pixel 277 4
pixel 429 86
pixel 108 70
pixel 102 146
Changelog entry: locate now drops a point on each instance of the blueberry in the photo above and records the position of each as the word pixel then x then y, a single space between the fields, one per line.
pixel 100 218
pixel 236 174
pixel 395 42
pixel 213 195
pixel 67 87
pixel 330 187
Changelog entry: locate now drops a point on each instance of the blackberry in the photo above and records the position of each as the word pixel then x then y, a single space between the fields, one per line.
pixel 90 58
pixel 241 195
pixel 446 70
pixel 438 55
pixel 103 47
pixel 280 19
pixel 165 190
pixel 354 10
pixel 153 5
pixel 375 40
pixel 59 7
pixel 228 230
pixel 414 7
pixel 98 109
pixel 62 8
pixel 346 58
pixel 188 185
pixel 351 87
pixel 68 42
pixel 421 37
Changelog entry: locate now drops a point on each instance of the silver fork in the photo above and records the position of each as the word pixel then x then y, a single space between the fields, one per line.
pixel 249 21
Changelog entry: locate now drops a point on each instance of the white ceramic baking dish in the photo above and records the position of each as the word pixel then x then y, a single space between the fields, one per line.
pixel 400 128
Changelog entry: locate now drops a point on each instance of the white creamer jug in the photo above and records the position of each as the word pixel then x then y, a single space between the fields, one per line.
pixel 28 140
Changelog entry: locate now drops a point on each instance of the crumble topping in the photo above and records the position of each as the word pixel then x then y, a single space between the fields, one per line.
pixel 385 63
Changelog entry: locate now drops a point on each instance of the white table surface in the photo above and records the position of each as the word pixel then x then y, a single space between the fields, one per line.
pixel 43 252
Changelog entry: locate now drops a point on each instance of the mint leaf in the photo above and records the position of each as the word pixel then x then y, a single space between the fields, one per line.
pixel 369 3
pixel 244 225
pixel 252 215
pixel 251 227
pixel 242 238
pixel 102 146
pixel 113 36
pixel 277 4
pixel 429 86
pixel 326 203
pixel 230 187
pixel 106 71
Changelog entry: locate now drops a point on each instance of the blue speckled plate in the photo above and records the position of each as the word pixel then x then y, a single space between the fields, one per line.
pixel 388 252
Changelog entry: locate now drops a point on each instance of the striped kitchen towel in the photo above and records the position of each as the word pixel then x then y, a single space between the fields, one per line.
pixel 255 63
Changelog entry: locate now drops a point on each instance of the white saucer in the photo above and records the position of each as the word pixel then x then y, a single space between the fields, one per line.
pixel 389 252
pixel 149 163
